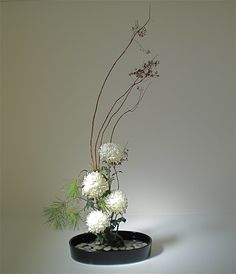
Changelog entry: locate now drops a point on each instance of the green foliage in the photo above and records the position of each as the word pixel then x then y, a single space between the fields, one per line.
pixel 101 205
pixel 56 213
pixel 116 222
pixel 73 217
pixel 111 238
pixel 106 171
pixel 100 238
pixel 73 190
pixel 90 203
pixel 61 215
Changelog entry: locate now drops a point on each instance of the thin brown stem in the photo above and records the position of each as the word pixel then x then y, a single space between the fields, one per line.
pixel 121 105
pixel 94 155
pixel 102 129
pixel 114 104
pixel 145 75
pixel 127 111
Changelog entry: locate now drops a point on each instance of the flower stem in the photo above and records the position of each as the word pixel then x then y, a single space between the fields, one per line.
pixel 117 179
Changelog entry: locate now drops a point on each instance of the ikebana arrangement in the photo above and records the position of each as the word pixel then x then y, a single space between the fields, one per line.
pixel 97 191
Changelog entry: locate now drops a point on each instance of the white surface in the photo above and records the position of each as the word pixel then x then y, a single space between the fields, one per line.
pixel 180 177
pixel 188 243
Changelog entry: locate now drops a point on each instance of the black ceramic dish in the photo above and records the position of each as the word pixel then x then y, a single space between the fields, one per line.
pixel 102 257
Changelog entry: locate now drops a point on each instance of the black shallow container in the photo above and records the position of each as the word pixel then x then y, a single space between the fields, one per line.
pixel 110 257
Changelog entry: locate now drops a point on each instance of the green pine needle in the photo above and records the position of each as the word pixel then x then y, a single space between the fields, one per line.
pixel 56 213
pixel 73 190
pixel 60 215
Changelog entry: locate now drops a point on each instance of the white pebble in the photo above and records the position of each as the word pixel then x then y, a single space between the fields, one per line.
pixel 82 245
pixel 107 248
pixel 98 247
pixel 129 248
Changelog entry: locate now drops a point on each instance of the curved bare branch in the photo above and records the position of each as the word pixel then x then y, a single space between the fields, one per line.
pixel 94 155
pixel 127 111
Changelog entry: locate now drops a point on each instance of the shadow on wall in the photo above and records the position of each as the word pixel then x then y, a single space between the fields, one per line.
pixel 159 245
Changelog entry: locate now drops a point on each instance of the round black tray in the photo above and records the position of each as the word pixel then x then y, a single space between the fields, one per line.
pixel 110 257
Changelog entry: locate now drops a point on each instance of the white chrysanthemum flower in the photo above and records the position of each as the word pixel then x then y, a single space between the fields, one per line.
pixel 111 153
pixel 97 221
pixel 94 185
pixel 116 202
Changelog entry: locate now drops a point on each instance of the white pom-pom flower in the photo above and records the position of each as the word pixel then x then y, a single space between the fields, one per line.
pixel 97 221
pixel 94 185
pixel 116 202
pixel 111 153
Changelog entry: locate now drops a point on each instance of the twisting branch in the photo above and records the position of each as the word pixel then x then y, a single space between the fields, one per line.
pixel 94 154
pixel 100 134
pixel 127 111
pixel 147 71
pixel 121 105
pixel 106 121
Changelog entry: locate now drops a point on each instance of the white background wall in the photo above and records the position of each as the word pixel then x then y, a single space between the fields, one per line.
pixel 180 177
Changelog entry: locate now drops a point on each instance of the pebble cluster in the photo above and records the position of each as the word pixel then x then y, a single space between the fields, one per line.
pixel 93 246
